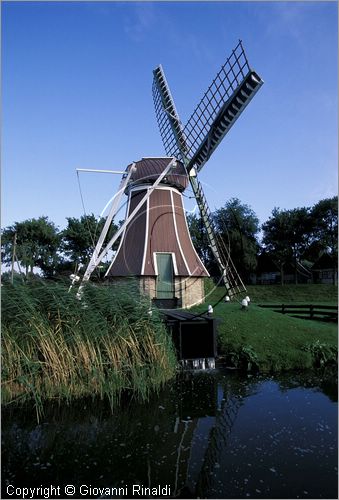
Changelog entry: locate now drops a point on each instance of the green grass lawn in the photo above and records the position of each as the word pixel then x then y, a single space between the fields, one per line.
pixel 269 341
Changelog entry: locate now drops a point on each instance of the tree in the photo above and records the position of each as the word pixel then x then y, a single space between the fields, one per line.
pixel 276 239
pixel 286 235
pixel 325 230
pixel 36 244
pixel 81 235
pixel 325 224
pixel 199 238
pixel 238 226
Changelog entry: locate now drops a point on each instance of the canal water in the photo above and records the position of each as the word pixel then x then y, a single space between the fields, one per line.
pixel 206 435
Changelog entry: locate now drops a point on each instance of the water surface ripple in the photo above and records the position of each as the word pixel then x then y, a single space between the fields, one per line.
pixel 206 435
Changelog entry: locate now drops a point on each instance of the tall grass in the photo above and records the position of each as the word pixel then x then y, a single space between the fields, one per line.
pixel 57 347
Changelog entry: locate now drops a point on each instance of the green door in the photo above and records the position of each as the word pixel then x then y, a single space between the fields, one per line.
pixel 165 285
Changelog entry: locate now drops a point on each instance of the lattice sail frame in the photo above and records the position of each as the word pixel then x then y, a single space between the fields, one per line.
pixel 228 79
pixel 170 126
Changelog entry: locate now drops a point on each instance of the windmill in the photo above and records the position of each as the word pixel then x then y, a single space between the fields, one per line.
pixel 155 244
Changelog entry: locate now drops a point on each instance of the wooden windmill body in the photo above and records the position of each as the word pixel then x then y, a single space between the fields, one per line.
pixel 155 245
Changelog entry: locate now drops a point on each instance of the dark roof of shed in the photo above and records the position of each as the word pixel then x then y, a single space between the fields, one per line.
pixel 265 264
pixel 326 261
pixel 149 169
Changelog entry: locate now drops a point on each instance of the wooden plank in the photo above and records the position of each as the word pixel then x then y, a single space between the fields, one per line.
pixel 183 315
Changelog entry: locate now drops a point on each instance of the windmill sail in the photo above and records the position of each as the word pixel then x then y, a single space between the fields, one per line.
pixel 170 126
pixel 223 102
pixel 221 105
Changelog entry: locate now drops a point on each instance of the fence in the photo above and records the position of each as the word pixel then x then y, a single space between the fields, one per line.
pixel 310 311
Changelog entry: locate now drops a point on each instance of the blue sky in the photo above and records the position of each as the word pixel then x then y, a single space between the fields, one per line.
pixel 76 93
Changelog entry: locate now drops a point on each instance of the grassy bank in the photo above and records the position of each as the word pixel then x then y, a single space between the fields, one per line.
pixel 261 294
pixel 55 347
pixel 268 341
pixel 318 294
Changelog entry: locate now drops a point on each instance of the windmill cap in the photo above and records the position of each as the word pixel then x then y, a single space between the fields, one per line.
pixel 148 170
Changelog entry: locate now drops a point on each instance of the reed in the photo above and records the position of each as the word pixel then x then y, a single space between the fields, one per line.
pixel 57 347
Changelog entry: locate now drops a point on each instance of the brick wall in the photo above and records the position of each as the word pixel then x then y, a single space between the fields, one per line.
pixel 189 291
pixel 192 291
